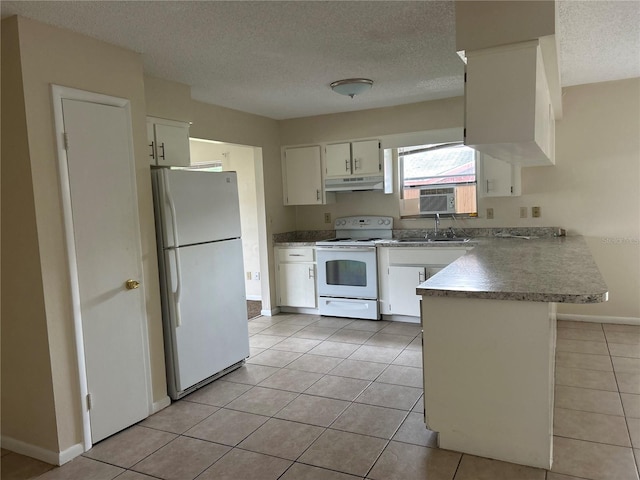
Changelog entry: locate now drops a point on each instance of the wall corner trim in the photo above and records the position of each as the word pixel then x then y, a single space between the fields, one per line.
pixel 270 313
pixel 42 454
pixel 160 404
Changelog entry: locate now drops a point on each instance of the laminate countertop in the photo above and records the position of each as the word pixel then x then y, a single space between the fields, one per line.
pixel 559 270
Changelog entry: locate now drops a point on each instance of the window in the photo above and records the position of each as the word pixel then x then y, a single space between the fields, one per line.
pixel 437 178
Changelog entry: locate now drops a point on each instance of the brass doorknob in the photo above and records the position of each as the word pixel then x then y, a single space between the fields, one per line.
pixel 132 284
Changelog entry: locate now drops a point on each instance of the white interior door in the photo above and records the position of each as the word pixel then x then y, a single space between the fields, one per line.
pixel 108 252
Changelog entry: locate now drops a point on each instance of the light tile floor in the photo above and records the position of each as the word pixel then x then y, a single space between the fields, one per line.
pixel 337 399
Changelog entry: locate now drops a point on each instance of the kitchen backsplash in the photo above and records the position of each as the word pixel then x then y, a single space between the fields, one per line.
pixel 303 236
pixel 314 235
pixel 486 232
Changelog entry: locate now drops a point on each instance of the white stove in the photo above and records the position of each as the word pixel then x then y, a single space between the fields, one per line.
pixel 348 268
pixel 358 231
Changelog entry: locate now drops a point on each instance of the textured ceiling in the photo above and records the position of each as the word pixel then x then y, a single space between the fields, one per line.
pixel 277 59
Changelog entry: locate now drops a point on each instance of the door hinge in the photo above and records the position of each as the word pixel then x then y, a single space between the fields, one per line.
pixel 65 137
pixel 511 189
pixel 464 133
pixel 89 402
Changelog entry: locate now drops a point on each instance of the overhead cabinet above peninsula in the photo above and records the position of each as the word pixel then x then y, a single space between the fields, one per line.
pixel 507 104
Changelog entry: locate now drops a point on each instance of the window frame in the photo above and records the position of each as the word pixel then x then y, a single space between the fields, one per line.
pixel 432 147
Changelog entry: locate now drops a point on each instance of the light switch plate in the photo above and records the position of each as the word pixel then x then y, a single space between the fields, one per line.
pixel 535 212
pixel 327 217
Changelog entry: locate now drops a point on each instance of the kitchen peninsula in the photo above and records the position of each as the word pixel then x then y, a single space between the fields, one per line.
pixel 489 323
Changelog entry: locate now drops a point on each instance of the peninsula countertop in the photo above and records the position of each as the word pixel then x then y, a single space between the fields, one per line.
pixel 559 270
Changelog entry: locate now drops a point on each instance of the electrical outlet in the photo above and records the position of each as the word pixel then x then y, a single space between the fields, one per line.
pixel 327 217
pixel 489 213
pixel 535 212
pixel 256 275
pixel 523 212
pixel 248 275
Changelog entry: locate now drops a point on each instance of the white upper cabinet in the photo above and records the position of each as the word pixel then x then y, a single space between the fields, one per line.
pixel 498 178
pixel 302 176
pixel 360 159
pixel 508 109
pixel 168 142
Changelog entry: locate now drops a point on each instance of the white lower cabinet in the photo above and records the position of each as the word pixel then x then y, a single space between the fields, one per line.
pixel 296 277
pixel 402 269
pixel 402 290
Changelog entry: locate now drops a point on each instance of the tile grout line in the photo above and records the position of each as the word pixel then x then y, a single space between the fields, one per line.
pixel 615 374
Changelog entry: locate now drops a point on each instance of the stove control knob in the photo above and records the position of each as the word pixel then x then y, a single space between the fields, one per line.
pixel 387 221
pixel 380 222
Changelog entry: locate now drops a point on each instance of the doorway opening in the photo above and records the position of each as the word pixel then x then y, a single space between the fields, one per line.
pixel 247 162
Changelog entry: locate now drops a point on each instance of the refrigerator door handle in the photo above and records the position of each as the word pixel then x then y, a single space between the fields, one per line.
pixel 174 230
pixel 172 207
pixel 178 292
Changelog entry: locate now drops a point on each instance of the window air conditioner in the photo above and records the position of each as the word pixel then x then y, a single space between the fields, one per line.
pixel 437 200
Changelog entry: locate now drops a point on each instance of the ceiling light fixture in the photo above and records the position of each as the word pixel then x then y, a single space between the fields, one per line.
pixel 352 86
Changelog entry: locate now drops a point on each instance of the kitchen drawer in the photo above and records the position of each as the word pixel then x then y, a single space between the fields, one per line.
pixel 296 254
pixel 424 256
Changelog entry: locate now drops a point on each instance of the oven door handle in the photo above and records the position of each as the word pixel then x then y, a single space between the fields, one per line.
pixel 345 249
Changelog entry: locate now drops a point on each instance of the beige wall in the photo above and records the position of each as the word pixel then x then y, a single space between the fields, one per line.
pixel 27 391
pixel 211 122
pixel 241 160
pixel 593 190
pixel 51 55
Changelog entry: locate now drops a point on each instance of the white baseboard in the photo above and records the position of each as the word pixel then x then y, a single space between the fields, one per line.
pixel 160 404
pixel 599 319
pixel 401 318
pixel 42 454
pixel 307 311
pixel 270 313
pixel 255 298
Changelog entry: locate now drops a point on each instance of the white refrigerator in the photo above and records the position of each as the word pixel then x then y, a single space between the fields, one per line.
pixel 204 306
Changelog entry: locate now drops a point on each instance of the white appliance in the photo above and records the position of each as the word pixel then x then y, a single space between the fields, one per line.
pixel 348 267
pixel 437 200
pixel 204 308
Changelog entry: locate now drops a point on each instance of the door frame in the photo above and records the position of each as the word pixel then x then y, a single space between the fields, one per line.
pixel 58 94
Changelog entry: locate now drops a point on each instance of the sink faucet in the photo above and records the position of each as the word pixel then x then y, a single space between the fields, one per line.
pixel 436 227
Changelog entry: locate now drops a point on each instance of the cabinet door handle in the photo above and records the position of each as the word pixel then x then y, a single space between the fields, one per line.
pixel 296 255
pixel 162 147
pixel 317 194
pixel 346 165
pixel 152 145
pixel 487 186
pixel 311 272
pixel 355 164
pixel 420 277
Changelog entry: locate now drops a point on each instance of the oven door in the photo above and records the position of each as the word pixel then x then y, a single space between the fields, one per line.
pixel 347 272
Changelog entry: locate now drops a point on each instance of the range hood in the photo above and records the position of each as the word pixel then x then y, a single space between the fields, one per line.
pixel 354 184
